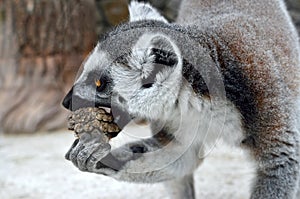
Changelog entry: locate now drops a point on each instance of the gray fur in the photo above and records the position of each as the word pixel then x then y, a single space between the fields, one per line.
pixel 227 69
pixel 141 11
pixel 182 188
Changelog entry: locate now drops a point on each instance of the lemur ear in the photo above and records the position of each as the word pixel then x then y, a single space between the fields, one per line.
pixel 155 52
pixel 143 11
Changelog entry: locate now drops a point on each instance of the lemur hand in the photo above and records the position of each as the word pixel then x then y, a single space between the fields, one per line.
pixel 90 152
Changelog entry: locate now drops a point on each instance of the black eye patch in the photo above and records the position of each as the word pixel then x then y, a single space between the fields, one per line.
pixel 98 80
pixel 101 83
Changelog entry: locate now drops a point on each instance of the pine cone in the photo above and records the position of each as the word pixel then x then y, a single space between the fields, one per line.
pixel 87 120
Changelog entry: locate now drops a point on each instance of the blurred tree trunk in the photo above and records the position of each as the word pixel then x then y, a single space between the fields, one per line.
pixel 42 44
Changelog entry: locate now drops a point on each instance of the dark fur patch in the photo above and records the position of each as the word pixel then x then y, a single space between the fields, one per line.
pixel 190 73
pixel 138 149
pixel 163 138
pixel 238 87
pixel 249 141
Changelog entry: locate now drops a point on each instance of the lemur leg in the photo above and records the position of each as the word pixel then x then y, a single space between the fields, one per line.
pixel 182 188
pixel 276 182
pixel 298 191
pixel 277 166
pixel 156 159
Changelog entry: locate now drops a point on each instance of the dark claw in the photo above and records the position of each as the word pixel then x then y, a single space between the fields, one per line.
pixel 138 149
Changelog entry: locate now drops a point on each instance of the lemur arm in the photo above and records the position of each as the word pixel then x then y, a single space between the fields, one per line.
pixel 155 159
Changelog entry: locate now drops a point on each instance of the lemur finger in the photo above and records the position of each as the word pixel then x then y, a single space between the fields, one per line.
pixel 84 155
pixel 74 149
pixel 102 151
pixel 74 153
pixel 67 156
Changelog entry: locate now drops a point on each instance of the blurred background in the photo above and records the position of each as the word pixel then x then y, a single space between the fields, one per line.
pixel 42 45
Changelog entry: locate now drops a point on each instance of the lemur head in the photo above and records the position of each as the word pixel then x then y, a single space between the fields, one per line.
pixel 136 68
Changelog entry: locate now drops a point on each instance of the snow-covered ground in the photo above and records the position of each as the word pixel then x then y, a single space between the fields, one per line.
pixel 33 167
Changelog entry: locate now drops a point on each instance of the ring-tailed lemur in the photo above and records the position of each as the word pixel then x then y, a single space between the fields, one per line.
pixel 225 68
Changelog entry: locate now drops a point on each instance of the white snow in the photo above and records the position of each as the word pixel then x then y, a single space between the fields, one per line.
pixel 33 167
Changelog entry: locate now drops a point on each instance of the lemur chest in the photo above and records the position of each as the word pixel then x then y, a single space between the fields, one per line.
pixel 208 121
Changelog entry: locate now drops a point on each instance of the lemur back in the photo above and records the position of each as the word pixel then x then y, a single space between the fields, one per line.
pixel 249 29
pixel 261 39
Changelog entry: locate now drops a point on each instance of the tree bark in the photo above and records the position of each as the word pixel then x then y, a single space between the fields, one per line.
pixel 42 44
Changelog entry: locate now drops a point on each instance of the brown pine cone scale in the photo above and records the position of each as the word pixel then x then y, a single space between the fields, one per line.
pixel 86 120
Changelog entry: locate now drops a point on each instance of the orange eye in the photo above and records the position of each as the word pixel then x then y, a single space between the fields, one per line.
pixel 98 83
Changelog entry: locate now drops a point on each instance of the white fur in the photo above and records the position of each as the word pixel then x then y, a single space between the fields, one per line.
pixel 96 60
pixel 196 125
pixel 144 102
pixel 143 11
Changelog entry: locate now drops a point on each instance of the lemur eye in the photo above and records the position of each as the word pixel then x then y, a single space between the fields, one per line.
pixel 98 83
pixel 101 83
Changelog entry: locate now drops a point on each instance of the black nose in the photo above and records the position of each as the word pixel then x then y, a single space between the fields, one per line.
pixel 67 102
pixel 74 102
